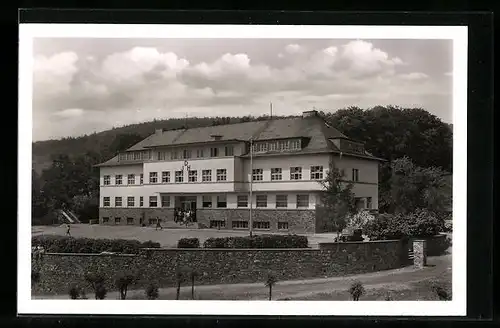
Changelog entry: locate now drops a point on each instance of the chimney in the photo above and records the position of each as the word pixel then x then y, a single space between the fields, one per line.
pixel 309 113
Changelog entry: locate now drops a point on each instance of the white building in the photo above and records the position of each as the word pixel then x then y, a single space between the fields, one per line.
pixel 208 169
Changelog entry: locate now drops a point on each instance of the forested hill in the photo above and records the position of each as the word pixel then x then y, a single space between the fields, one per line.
pixel 106 143
pixel 389 132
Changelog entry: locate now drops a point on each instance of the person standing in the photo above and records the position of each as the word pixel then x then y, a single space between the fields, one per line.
pixel 158 224
pixel 68 228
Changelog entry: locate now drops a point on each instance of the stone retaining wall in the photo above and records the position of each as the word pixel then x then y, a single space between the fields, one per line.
pixel 219 266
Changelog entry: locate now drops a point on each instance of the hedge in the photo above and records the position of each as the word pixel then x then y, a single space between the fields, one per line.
pixel 188 243
pixel 420 223
pixel 64 244
pixel 259 241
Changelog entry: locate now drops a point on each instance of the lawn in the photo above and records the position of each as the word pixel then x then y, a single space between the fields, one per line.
pixel 166 237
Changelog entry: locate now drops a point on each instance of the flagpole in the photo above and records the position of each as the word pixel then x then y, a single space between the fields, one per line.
pixel 251 185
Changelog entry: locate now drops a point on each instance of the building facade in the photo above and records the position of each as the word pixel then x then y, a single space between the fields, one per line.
pixel 210 169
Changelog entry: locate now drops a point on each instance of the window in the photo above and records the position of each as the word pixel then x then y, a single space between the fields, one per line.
pixel 257 174
pixel 229 150
pixel 174 154
pixel 130 201
pixel 165 177
pixel 199 153
pixel 118 179
pixel 106 201
pixel 141 180
pixel 117 220
pixel 207 201
pixel 261 225
pixel 107 180
pixel 302 200
pixel 153 177
pixel 260 147
pixel 130 156
pixel 316 172
pixel 368 202
pixel 186 153
pixel 214 152
pixel 281 201
pixel 295 144
pixel 165 201
pixel 193 176
pixel 141 201
pixel 153 201
pixel 276 174
pixel 221 174
pixel 162 156
pixel 273 146
pixel 240 224
pixel 105 219
pixel 295 173
pixel 261 201
pixel 122 157
pixel 137 155
pixel 283 145
pixel 355 175
pixel 206 175
pixel 131 179
pixel 118 202
pixel 242 201
pixel 179 176
pixel 282 225
pixel 217 224
pixel 130 221
pixel 221 201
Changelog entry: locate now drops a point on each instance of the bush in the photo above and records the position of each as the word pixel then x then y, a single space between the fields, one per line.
pixel 152 292
pixel 122 283
pixel 65 244
pixel 356 290
pixel 188 243
pixel 260 241
pixel 74 292
pixel 35 276
pixel 420 224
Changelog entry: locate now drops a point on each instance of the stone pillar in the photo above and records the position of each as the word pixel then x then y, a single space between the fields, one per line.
pixel 419 253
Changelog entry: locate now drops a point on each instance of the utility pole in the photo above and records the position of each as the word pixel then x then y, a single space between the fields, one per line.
pixel 271 105
pixel 251 185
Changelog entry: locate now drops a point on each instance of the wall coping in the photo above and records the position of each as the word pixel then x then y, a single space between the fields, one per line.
pixel 202 249
pixel 91 254
pixel 362 242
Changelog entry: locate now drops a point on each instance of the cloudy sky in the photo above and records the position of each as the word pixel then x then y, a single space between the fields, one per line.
pixel 86 85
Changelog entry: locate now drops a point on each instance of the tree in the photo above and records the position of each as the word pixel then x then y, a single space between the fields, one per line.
pixel 193 274
pixel 152 292
pixel 337 200
pixel 123 141
pixel 122 283
pixel 179 278
pixel 270 282
pixel 414 187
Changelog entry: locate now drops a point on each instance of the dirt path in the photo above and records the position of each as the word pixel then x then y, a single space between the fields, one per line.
pixel 394 279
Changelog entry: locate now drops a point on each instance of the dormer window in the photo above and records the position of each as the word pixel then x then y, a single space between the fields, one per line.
pixel 216 137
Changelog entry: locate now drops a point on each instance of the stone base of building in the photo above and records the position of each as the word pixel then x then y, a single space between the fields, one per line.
pixel 271 220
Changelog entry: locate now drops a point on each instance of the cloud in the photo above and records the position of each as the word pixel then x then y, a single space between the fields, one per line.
pixel 414 76
pixel 55 73
pixel 293 48
pixel 69 113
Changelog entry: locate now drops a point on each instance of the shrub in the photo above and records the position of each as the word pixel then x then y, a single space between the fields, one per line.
pixel 35 276
pixel 188 243
pixel 356 290
pixel 359 220
pixel 96 281
pixel 259 241
pixel 441 290
pixel 64 244
pixel 100 292
pixel 421 223
pixel 152 292
pixel 74 292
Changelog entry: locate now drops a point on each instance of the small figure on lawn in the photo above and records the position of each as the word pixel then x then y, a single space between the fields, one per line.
pixel 158 224
pixel 68 228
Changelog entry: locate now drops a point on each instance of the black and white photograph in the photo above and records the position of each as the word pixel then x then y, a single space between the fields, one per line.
pixel 183 168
